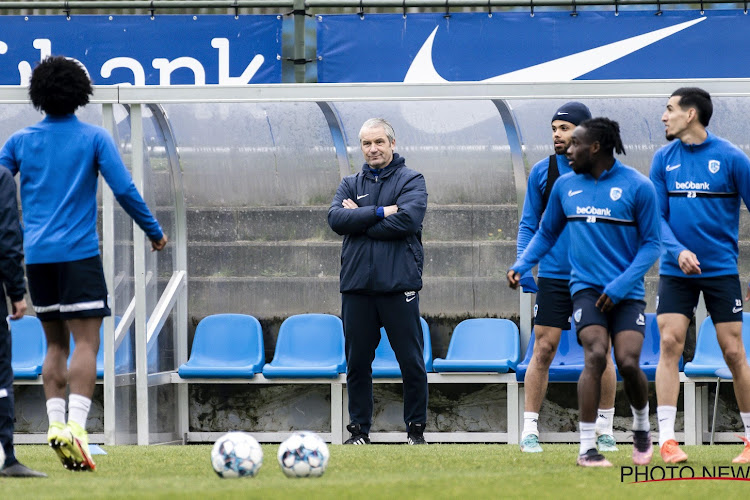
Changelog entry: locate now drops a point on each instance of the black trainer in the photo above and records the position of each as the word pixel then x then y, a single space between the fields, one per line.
pixel 20 470
pixel 416 434
pixel 358 437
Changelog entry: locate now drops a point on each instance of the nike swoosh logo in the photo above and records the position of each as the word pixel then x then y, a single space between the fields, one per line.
pixel 409 299
pixel 360 196
pixel 422 69
pixel 736 309
pixel 560 113
pixel 673 167
pixel 573 193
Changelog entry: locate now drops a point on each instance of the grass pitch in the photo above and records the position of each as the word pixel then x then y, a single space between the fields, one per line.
pixel 382 472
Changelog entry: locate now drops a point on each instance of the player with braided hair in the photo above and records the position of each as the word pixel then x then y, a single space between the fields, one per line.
pixel 611 213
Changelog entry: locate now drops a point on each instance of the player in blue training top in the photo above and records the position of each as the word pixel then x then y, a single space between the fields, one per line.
pixel 699 179
pixel 60 159
pixel 613 222
pixel 554 306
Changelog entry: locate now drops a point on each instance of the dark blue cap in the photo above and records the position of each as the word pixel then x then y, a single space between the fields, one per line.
pixel 572 112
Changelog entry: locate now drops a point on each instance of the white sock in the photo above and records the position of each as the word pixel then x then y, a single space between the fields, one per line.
pixel 78 409
pixel 56 410
pixel 640 418
pixel 667 416
pixel 604 421
pixel 588 436
pixel 530 420
pixel 746 420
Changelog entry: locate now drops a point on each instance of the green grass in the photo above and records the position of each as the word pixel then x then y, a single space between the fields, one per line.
pixel 380 472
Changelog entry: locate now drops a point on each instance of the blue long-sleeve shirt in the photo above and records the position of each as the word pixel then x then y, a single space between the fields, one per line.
pixel 614 231
pixel 555 263
pixel 698 188
pixel 59 160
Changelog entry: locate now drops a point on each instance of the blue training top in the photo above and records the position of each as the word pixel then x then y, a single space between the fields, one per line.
pixel 59 160
pixel 555 264
pixel 614 231
pixel 699 188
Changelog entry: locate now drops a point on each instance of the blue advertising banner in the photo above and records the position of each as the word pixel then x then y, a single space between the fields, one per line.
pixel 140 50
pixel 516 47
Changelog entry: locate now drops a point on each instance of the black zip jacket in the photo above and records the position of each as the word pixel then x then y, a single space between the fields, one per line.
pixel 11 240
pixel 381 255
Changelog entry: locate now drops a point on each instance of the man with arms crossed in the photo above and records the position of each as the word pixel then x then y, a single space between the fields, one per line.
pixel 614 234
pixel 379 211
pixel 554 306
pixel 699 179
pixel 59 160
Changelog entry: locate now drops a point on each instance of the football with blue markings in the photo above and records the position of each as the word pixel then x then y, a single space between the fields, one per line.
pixel 303 454
pixel 236 454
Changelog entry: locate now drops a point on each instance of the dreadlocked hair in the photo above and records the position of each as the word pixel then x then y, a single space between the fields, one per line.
pixel 606 132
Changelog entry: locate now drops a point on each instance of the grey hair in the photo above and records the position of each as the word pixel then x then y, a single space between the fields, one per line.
pixel 379 123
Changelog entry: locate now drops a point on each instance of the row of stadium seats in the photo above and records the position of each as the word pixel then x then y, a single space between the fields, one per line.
pixel 312 345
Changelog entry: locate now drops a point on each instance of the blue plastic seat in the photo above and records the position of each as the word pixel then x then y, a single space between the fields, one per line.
pixel 29 346
pixel 482 345
pixel 308 346
pixel 651 349
pixel 226 346
pixel 124 362
pixel 385 364
pixel 568 362
pixel 708 360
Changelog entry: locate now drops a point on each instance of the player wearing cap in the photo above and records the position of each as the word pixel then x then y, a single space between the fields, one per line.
pixel 553 302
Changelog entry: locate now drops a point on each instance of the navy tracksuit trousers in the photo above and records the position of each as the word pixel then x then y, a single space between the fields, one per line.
pixel 363 315
pixel 6 388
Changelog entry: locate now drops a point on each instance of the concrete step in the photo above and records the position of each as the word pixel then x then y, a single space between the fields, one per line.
pixel 322 258
pixel 442 222
pixel 282 297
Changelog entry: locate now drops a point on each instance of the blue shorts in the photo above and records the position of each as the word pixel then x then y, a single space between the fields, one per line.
pixel 626 315
pixel 553 303
pixel 722 294
pixel 67 290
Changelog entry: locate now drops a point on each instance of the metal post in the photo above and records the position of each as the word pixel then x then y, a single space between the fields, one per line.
pixel 179 247
pixel 299 41
pixel 515 141
pixel 139 258
pixel 108 263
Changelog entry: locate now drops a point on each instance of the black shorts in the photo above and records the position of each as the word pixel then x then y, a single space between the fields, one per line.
pixel 723 296
pixel 553 303
pixel 66 290
pixel 626 315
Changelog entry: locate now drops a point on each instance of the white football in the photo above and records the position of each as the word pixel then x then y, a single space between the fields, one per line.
pixel 236 454
pixel 303 454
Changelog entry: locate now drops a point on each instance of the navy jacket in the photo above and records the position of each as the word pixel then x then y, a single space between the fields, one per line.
pixel 381 255
pixel 11 241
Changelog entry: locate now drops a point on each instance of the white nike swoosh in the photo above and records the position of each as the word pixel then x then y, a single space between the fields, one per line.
pixel 359 197
pixel 409 299
pixel 736 310
pixel 422 69
pixel 573 193
pixel 560 113
pixel 672 167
